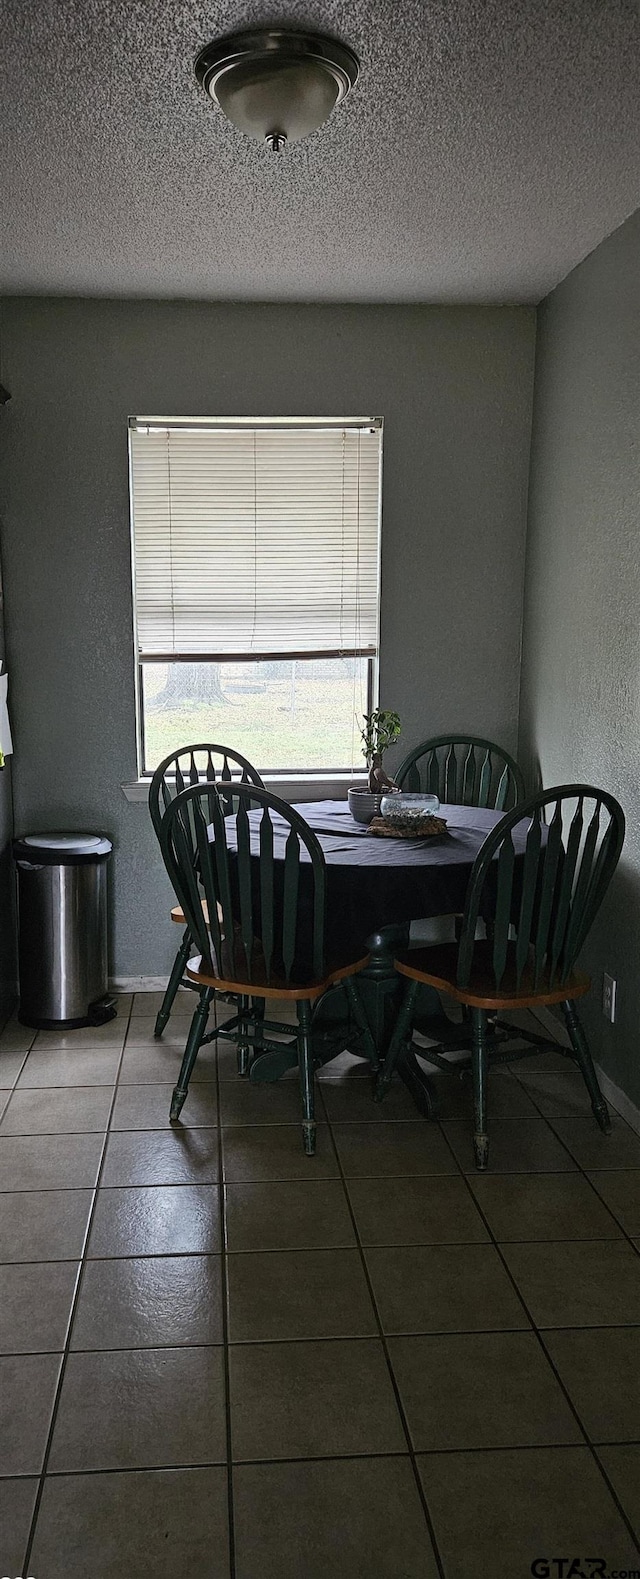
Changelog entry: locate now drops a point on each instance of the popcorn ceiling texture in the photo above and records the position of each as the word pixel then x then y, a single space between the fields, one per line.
pixel 488 146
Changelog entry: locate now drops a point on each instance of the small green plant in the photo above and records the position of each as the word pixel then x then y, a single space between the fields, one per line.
pixel 381 730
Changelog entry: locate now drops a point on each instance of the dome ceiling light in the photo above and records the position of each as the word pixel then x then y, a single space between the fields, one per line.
pixel 275 85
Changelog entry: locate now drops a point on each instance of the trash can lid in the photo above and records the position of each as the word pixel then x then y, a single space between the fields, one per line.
pixel 61 849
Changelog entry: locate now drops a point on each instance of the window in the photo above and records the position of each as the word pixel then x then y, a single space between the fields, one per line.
pixel 256 563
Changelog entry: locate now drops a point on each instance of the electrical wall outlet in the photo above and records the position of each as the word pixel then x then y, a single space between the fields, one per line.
pixel 609 986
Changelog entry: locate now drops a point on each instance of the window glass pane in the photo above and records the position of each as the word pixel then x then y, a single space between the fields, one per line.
pixel 301 714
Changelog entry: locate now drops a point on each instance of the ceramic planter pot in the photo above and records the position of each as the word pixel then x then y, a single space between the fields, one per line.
pixel 363 804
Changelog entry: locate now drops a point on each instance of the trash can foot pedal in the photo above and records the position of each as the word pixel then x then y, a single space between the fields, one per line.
pixel 100 1012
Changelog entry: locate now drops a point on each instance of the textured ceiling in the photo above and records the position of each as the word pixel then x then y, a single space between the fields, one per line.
pixel 487 147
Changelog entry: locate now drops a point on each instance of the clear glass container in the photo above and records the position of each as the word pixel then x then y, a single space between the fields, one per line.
pixel 406 809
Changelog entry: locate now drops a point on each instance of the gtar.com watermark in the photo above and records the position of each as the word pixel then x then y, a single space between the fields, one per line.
pixel 579 1568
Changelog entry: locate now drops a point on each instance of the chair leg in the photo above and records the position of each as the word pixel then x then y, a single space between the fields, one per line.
pixel 580 1047
pixel 177 973
pixel 479 1076
pixel 257 1015
pixel 398 1039
pixel 357 1009
pixel 305 1065
pixel 196 1032
pixel 244 1046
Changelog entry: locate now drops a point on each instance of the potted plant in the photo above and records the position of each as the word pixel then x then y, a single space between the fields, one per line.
pixel 381 730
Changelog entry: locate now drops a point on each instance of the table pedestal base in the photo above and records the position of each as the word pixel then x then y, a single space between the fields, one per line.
pixel 334 1030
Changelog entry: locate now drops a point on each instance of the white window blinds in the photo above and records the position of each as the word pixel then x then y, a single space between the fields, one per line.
pixel 256 538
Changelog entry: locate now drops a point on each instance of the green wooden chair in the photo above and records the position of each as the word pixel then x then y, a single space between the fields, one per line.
pixel 190 765
pixel 259 924
pixel 463 770
pixel 539 906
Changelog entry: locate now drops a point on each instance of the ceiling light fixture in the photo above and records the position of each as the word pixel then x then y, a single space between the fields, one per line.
pixel 277 86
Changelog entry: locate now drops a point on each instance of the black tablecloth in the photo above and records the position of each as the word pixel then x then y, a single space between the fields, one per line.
pixel 374 882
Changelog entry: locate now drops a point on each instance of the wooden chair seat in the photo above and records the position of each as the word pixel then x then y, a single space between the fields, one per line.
pixel 437 966
pixel 178 915
pixel 231 978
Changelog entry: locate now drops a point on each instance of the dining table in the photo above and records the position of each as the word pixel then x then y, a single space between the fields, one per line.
pixel 376 887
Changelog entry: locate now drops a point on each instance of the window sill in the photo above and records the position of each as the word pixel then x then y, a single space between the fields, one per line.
pixel 305 786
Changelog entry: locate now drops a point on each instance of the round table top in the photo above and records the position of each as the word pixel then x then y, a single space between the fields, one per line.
pixel 346 842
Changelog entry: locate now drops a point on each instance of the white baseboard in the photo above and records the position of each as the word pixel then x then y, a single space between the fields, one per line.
pixel 138 983
pixel 613 1093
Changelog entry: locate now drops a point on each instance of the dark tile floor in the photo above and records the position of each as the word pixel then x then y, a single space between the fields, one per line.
pixel 223 1360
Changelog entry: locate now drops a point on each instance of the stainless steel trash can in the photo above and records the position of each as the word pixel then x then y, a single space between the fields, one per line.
pixel 62 929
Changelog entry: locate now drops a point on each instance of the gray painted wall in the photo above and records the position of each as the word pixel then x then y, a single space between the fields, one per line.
pixel 7 886
pixel 455 389
pixel 580 707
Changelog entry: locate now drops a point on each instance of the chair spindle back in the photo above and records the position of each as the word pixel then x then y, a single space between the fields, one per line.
pixel 192 765
pixel 463 770
pixel 547 892
pixel 253 898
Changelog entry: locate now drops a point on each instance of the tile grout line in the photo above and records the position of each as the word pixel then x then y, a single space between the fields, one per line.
pixel 550 1361
pixel 319 1458
pixel 589 1182
pixel 596 1449
pixel 270 1250
pixel 583 1171
pixel 9 1090
pixel 579 1166
pixel 627 1237
pixel 349 1337
pixel 392 1377
pixel 72 1312
pixel 433 1173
